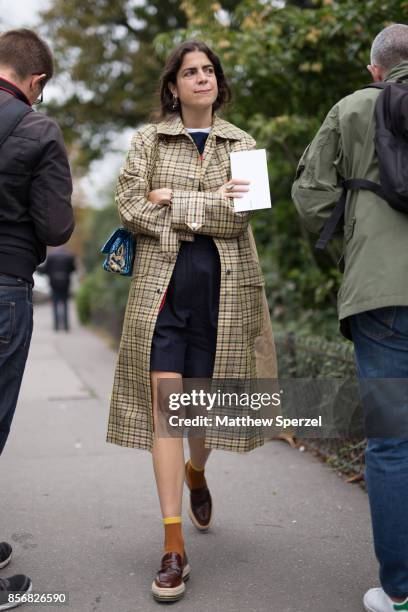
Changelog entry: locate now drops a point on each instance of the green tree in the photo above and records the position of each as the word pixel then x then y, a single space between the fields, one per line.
pixel 287 67
pixel 108 66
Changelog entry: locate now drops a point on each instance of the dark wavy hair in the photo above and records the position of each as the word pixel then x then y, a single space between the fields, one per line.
pixel 169 75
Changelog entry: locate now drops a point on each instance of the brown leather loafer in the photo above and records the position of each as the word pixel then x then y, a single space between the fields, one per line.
pixel 173 573
pixel 200 509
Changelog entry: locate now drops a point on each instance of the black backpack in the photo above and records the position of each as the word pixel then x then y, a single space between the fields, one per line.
pixel 391 146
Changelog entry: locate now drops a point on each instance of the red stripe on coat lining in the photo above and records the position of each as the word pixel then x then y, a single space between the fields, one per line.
pixel 13 93
pixel 163 301
pixel 8 91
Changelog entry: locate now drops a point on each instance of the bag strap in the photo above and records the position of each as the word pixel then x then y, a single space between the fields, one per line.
pixel 332 222
pixel 349 184
pixel 338 212
pixel 12 112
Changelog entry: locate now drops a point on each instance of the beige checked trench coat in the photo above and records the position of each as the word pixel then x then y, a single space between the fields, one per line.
pixel 164 155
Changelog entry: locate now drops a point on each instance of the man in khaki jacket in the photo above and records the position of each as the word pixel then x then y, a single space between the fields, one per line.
pixel 373 298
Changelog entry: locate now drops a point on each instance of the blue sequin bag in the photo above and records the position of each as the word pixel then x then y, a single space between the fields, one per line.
pixel 120 252
pixel 120 247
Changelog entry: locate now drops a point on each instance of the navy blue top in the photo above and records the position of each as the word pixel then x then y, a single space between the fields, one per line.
pixel 200 138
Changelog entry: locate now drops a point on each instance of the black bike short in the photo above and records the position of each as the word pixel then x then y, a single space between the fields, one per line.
pixel 185 334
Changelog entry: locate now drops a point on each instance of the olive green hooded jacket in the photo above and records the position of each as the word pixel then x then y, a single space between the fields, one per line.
pixel 375 235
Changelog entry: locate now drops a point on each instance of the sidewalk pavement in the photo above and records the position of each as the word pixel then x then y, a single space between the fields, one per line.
pixel 83 516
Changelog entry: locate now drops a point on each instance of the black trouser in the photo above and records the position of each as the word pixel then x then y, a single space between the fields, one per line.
pixel 60 309
pixel 16 326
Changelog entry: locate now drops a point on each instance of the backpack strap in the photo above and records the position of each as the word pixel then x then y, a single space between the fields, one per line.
pixel 338 212
pixel 11 113
pixel 332 222
pixel 349 184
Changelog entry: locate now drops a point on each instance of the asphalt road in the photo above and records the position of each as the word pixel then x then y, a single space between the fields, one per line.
pixel 83 517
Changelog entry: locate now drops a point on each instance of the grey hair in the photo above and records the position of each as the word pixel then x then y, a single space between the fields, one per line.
pixel 390 46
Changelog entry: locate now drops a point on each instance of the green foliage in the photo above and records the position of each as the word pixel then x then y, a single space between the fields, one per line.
pixel 287 67
pixel 101 224
pixel 102 296
pixel 105 50
pixel 101 300
pixel 108 66
pixel 345 456
pixel 313 357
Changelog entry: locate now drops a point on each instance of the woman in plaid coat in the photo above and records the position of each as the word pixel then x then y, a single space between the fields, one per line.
pixel 196 306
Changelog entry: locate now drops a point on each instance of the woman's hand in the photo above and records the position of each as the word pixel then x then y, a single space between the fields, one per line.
pixel 235 188
pixel 160 196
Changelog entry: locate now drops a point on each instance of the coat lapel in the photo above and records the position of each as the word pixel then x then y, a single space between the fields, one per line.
pixel 220 129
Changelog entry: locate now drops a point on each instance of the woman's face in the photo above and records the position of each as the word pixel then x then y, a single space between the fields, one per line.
pixel 196 83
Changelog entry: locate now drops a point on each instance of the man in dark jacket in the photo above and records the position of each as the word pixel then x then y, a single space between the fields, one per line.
pixel 35 211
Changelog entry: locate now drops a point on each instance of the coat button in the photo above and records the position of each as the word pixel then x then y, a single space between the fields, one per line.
pixel 193 226
pixel 228 271
pixel 158 290
pixel 191 178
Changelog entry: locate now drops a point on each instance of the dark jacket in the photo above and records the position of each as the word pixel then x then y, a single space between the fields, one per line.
pixel 35 190
pixel 59 266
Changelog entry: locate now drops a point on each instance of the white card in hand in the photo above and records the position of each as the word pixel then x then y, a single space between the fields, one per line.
pixel 251 166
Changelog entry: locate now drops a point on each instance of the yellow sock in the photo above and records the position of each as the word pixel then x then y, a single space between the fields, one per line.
pixel 195 476
pixel 173 535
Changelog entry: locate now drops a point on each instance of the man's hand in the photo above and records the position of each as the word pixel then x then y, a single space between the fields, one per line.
pixel 235 188
pixel 160 196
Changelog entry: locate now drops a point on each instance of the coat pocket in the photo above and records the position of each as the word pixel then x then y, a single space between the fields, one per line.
pixel 251 310
pixel 377 324
pixel 251 287
pixel 250 275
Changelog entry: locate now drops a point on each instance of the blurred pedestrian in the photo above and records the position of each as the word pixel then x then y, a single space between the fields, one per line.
pixel 59 266
pixel 35 211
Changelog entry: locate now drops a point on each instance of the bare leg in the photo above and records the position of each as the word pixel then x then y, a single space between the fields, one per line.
pixel 168 457
pixel 198 453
